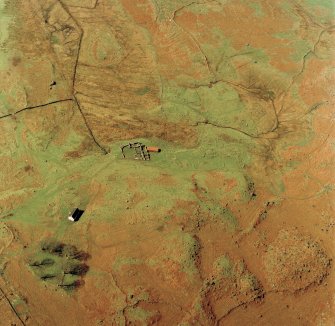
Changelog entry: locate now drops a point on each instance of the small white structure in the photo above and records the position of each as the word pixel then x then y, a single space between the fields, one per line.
pixel 75 215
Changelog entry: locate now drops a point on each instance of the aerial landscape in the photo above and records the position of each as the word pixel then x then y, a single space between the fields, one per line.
pixel 167 162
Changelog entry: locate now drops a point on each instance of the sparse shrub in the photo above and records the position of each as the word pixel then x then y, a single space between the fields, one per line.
pixel 53 247
pixel 72 252
pixel 44 262
pixel 73 285
pixel 47 261
pixel 77 269
pixel 47 276
pixel 68 268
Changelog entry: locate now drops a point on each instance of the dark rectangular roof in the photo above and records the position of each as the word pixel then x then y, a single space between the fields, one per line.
pixel 77 213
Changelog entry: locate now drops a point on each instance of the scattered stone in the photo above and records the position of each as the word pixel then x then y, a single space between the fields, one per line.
pixel 294 261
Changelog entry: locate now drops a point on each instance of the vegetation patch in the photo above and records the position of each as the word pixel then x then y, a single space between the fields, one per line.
pixel 60 264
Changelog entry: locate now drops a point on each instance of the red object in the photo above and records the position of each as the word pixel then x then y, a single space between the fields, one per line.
pixel 153 149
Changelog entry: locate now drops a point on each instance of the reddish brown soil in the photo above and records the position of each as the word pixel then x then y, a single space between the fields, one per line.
pixel 233 224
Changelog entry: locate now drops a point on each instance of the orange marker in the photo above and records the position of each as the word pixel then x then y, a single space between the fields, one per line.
pixel 153 149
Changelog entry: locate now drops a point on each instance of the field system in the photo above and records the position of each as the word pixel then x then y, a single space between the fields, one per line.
pixel 218 210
